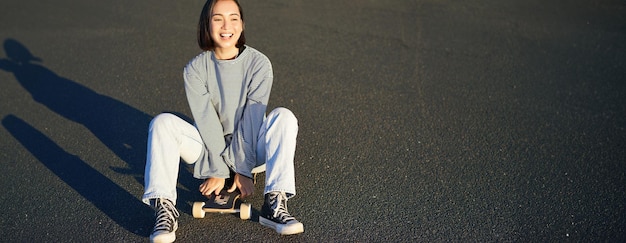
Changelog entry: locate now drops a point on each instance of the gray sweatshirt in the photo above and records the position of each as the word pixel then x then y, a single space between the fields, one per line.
pixel 228 100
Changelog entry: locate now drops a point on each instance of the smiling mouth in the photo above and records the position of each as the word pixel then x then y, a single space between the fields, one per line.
pixel 226 35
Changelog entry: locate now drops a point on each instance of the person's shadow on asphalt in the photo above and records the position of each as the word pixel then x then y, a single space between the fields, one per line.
pixel 113 200
pixel 122 128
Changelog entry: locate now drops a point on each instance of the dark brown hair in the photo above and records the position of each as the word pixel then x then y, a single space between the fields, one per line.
pixel 204 27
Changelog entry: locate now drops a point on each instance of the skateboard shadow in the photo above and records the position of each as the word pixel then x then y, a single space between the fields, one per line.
pixel 113 200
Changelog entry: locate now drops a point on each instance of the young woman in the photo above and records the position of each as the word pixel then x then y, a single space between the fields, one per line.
pixel 227 87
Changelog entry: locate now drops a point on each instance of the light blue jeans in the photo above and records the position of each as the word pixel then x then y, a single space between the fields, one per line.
pixel 171 138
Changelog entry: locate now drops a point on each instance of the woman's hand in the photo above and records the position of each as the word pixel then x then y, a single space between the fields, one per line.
pixel 245 185
pixel 212 185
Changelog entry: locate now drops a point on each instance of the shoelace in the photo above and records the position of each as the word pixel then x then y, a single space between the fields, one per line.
pixel 165 216
pixel 279 206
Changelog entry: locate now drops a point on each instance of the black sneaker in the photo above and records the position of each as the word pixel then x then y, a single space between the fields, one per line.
pixel 166 220
pixel 274 214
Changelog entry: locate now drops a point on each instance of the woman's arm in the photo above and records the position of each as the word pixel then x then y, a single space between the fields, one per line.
pixel 247 134
pixel 207 122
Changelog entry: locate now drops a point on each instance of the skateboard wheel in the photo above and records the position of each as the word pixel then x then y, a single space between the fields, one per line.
pixel 197 210
pixel 245 211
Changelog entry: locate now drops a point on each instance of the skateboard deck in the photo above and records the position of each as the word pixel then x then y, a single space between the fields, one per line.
pixel 225 202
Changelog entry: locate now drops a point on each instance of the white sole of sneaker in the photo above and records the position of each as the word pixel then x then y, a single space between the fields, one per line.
pixel 164 238
pixel 283 229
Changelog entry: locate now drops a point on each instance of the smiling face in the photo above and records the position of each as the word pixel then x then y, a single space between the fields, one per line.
pixel 226 25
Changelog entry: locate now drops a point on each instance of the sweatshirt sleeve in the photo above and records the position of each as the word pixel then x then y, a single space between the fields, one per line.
pixel 207 121
pixel 245 139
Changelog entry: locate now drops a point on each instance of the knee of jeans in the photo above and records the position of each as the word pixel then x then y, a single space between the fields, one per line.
pixel 284 115
pixel 161 120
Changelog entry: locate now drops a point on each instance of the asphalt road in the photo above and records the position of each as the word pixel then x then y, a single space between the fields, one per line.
pixel 431 120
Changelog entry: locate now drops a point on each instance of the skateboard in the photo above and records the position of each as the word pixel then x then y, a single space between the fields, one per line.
pixel 225 202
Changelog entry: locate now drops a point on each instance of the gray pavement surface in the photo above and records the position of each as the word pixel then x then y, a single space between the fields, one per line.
pixel 425 120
